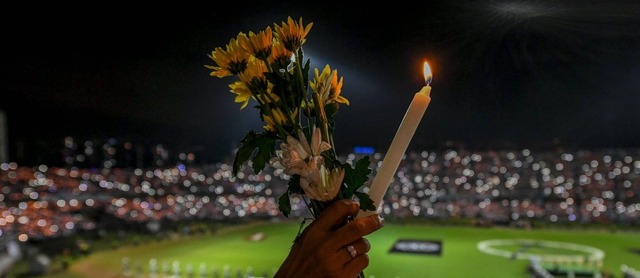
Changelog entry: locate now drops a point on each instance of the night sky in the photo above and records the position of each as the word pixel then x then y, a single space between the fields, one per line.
pixel 521 74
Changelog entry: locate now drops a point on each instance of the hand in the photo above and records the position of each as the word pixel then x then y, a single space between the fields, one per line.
pixel 330 248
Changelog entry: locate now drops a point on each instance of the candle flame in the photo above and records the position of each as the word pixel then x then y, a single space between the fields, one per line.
pixel 427 73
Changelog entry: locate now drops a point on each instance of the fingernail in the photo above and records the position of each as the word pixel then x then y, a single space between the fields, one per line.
pixel 381 220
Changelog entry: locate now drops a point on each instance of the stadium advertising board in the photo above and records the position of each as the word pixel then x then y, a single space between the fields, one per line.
pixel 417 246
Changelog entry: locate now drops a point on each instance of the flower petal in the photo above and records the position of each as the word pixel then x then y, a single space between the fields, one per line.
pixel 304 142
pixel 296 146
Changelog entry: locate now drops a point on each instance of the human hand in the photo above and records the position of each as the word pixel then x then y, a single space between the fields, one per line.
pixel 330 248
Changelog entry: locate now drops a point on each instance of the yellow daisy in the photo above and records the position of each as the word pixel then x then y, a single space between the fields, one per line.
pixel 228 62
pixel 280 55
pixel 279 117
pixel 243 94
pixel 258 45
pixel 253 76
pixel 292 34
pixel 326 85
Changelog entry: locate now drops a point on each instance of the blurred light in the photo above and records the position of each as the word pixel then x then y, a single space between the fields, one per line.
pixel 23 220
pixel 43 168
pixel 363 150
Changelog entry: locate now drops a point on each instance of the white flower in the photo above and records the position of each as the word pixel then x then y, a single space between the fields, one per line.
pixel 323 185
pixel 298 157
pixel 302 146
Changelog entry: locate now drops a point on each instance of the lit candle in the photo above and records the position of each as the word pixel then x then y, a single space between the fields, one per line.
pixel 403 136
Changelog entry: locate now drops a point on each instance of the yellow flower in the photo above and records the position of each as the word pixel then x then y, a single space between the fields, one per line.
pixel 280 55
pixel 228 62
pixel 253 76
pixel 326 85
pixel 279 117
pixel 292 34
pixel 258 45
pixel 269 96
pixel 243 94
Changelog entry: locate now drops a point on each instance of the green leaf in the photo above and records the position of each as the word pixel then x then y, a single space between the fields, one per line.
pixel 284 204
pixel 330 110
pixel 355 178
pixel 244 152
pixel 257 147
pixel 294 184
pixel 365 201
pixel 263 155
pixel 305 71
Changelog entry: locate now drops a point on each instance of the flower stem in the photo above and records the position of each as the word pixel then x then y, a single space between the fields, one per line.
pixel 298 67
pixel 321 116
pixel 267 109
pixel 294 123
pixel 301 85
pixel 287 113
pixel 309 207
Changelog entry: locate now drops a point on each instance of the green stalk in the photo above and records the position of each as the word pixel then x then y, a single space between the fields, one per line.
pixel 309 207
pixel 301 85
pixel 267 109
pixel 284 103
pixel 286 109
pixel 321 116
pixel 298 67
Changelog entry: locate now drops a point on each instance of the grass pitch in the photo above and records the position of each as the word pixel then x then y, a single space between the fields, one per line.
pixel 460 256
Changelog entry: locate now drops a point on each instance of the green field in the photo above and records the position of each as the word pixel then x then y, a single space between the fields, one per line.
pixel 460 257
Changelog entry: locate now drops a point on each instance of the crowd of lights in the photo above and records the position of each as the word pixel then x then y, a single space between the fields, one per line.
pixel 584 186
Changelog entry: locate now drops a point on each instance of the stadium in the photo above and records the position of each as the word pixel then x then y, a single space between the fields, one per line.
pixel 216 140
pixel 499 214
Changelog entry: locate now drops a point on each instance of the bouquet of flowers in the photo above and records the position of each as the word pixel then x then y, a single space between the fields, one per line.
pixel 298 115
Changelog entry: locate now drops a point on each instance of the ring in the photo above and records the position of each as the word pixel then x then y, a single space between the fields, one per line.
pixel 352 251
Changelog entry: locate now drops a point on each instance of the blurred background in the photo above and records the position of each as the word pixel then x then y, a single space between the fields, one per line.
pixel 113 135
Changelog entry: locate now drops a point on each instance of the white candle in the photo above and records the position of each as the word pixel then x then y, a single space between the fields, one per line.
pixel 401 140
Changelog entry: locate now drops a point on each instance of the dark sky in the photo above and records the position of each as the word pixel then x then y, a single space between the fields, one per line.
pixel 528 73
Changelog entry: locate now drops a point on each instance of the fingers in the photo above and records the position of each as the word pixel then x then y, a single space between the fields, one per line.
pixel 360 247
pixel 354 230
pixel 335 215
pixel 355 266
